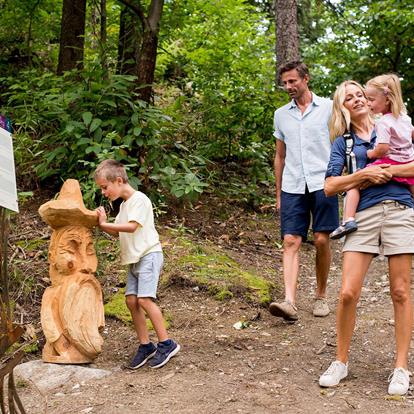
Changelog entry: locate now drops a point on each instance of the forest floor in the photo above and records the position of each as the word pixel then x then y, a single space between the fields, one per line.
pixel 269 366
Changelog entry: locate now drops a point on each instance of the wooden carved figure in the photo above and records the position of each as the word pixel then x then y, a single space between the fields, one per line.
pixel 72 312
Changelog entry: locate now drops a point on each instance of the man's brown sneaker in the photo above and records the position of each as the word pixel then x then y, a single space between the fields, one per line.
pixel 320 307
pixel 285 310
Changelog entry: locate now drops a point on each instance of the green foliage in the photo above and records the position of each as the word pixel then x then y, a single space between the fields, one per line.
pixel 355 43
pixel 71 123
pixel 221 57
pixel 230 64
pixel 29 33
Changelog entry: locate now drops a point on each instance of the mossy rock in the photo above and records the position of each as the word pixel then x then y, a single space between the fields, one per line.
pixel 223 277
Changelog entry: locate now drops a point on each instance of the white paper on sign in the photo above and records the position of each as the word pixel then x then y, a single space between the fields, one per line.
pixel 8 191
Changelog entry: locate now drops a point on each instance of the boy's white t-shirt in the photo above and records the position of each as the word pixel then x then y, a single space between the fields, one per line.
pixel 145 239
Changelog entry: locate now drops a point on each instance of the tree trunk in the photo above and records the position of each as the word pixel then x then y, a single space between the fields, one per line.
pixel 287 33
pixel 103 22
pixel 145 63
pixel 148 54
pixel 72 35
pixel 103 36
pixel 129 44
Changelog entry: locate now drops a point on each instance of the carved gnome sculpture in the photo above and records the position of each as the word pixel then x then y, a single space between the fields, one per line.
pixel 72 312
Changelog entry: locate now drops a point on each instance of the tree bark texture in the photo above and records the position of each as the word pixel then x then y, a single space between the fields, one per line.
pixel 72 35
pixel 287 33
pixel 145 64
pixel 130 40
pixel 103 22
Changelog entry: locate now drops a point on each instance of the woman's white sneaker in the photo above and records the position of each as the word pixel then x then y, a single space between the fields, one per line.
pixel 399 382
pixel 334 374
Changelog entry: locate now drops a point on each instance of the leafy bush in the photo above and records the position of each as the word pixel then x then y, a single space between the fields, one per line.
pixel 71 123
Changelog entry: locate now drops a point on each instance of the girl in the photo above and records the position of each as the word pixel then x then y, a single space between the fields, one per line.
pixel 395 135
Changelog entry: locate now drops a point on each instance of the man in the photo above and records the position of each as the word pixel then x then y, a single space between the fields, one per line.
pixel 302 155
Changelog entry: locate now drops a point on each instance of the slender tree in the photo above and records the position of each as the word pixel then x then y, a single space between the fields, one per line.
pixel 130 40
pixel 99 29
pixel 103 22
pixel 287 33
pixel 72 35
pixel 145 65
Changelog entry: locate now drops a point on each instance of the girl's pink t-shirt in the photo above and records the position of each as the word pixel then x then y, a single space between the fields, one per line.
pixel 397 132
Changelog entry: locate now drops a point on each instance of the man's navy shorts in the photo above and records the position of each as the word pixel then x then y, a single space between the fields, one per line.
pixel 296 211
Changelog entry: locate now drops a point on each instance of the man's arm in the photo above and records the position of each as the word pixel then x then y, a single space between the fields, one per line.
pixel 279 164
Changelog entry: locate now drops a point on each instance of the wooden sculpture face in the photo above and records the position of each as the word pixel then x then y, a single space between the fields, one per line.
pixel 71 251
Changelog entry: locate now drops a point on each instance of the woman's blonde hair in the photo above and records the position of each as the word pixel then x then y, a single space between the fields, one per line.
pixel 389 84
pixel 340 121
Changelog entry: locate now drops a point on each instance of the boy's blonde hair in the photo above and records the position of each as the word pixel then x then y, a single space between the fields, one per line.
pixel 110 170
pixel 389 84
pixel 340 121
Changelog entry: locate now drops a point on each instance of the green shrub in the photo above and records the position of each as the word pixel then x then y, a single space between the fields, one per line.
pixel 70 123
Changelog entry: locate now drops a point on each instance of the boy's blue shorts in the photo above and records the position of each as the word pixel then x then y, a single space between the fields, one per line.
pixel 297 211
pixel 143 276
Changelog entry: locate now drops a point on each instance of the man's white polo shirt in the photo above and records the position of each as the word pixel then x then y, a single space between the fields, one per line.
pixel 308 147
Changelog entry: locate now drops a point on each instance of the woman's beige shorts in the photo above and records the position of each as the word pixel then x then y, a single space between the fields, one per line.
pixel 386 228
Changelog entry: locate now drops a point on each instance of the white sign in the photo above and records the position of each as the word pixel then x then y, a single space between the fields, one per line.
pixel 8 191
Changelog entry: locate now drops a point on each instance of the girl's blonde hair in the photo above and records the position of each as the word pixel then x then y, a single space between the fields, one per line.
pixel 340 121
pixel 389 84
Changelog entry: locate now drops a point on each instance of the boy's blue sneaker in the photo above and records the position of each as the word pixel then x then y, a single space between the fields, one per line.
pixel 144 353
pixel 344 229
pixel 164 353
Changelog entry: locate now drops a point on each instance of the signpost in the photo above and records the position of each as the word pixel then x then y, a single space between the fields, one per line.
pixel 9 333
pixel 8 192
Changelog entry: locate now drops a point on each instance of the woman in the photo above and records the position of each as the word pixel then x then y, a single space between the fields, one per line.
pixel 385 219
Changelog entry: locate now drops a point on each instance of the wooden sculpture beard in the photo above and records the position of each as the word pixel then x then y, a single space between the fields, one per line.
pixel 72 312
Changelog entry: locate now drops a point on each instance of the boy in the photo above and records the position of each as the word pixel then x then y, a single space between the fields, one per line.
pixel 141 251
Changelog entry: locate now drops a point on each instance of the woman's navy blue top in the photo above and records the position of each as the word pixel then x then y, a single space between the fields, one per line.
pixel 392 190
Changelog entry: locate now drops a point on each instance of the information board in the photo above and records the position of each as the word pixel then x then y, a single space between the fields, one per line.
pixel 8 190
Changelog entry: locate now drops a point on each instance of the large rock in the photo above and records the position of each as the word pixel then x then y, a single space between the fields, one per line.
pixel 47 377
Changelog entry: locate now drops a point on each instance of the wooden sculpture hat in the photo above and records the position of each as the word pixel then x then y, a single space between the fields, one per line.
pixel 68 209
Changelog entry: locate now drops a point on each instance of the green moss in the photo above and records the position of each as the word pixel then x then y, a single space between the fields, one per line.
pixel 32 245
pixel 21 383
pixel 31 348
pixel 223 294
pixel 117 308
pixel 223 276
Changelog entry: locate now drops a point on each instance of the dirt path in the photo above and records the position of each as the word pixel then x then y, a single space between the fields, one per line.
pixel 268 367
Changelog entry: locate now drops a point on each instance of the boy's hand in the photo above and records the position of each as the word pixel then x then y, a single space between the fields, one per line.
pixel 101 215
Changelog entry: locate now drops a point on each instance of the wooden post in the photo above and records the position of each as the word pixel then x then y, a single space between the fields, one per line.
pixel 9 333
